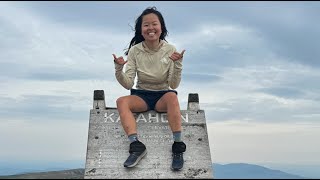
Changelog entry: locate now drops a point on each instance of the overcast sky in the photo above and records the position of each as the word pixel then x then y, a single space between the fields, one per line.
pixel 255 66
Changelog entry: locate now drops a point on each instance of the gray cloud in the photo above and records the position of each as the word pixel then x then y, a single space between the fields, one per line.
pixel 200 78
pixel 289 27
pixel 18 70
pixel 43 108
pixel 263 110
pixel 283 92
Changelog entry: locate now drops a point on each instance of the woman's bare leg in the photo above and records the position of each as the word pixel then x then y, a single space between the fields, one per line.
pixel 126 105
pixel 169 103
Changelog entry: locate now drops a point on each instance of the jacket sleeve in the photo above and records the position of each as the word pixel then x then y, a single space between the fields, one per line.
pixel 175 72
pixel 126 79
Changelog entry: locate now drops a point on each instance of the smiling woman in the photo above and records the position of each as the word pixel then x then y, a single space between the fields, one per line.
pixel 158 68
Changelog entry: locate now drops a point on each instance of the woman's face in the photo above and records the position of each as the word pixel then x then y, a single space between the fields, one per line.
pixel 151 27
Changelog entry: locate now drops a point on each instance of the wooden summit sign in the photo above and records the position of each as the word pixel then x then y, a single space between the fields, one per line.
pixel 108 146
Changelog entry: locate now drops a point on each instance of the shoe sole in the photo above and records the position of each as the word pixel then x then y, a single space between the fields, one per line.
pixel 137 161
pixel 175 169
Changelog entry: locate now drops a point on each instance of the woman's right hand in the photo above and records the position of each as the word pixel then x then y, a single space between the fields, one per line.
pixel 119 60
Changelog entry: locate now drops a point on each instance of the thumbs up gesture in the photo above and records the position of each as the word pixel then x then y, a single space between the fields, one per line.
pixel 176 56
pixel 119 60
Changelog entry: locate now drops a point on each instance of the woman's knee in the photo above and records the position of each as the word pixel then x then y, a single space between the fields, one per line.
pixel 121 101
pixel 172 99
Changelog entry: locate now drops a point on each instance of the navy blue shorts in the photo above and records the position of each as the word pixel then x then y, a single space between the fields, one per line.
pixel 150 97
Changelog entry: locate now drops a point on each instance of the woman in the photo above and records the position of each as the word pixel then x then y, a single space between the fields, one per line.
pixel 158 68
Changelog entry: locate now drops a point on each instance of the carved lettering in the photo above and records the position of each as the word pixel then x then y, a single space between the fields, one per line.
pixel 106 117
pixel 151 117
pixel 164 119
pixel 141 117
pixel 161 127
pixel 186 119
pixel 118 119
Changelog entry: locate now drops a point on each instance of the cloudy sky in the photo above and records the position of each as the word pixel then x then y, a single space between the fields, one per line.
pixel 255 66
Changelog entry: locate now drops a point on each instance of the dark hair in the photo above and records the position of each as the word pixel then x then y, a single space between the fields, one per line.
pixel 137 36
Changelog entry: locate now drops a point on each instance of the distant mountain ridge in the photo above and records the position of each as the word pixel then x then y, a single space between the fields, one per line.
pixel 249 171
pixel 220 171
pixel 63 174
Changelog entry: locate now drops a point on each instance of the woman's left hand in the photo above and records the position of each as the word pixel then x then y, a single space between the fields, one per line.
pixel 176 56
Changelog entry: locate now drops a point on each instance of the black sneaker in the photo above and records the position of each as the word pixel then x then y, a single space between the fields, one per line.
pixel 137 151
pixel 177 155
